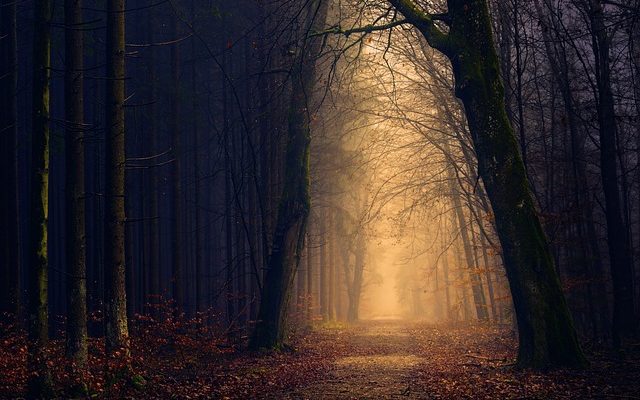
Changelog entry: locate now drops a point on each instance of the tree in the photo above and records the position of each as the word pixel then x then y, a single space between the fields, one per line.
pixel 177 229
pixel 76 346
pixel 294 205
pixel 624 321
pixel 545 328
pixel 40 379
pixel 116 330
pixel 9 267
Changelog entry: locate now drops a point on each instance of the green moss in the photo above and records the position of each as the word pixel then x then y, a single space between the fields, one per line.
pixel 138 382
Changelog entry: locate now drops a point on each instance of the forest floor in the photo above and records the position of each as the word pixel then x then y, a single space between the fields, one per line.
pixel 385 359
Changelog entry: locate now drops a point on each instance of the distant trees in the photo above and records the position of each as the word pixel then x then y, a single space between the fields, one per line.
pixel 620 253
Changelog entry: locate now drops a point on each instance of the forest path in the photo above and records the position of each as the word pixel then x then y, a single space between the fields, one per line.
pixel 374 360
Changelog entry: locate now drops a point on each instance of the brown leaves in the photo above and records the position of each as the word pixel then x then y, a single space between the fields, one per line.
pixel 180 358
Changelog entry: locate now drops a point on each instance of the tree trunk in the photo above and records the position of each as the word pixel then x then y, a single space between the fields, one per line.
pixel 176 177
pixel 324 270
pixel 624 321
pixel 293 210
pixel 479 300
pixel 9 265
pixel 153 223
pixel 331 297
pixel 116 330
pixel 353 313
pixel 40 377
pixel 546 331
pixel 199 139
pixel 309 293
pixel 588 240
pixel 76 345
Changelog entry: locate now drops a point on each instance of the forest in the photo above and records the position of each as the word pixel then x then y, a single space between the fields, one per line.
pixel 320 199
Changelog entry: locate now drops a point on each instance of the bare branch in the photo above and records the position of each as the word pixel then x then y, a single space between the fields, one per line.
pixel 425 24
pixel 337 30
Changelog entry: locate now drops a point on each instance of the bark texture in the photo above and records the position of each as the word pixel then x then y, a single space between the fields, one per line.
pixel 76 346
pixel 545 328
pixel 116 330
pixel 293 209
pixel 40 378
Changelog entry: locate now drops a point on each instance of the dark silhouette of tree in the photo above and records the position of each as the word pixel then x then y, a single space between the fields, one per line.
pixel 9 265
pixel 40 384
pixel 293 208
pixel 76 346
pixel 547 335
pixel 116 328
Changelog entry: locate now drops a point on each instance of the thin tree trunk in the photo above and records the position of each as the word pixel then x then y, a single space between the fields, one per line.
pixel 201 279
pixel 479 300
pixel 324 272
pixel 9 264
pixel 589 245
pixel 76 345
pixel 176 177
pixel 116 329
pixel 331 297
pixel 309 294
pixel 624 321
pixel 153 223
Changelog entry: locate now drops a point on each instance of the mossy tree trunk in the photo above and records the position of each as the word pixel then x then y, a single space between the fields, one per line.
pixel 76 345
pixel 9 267
pixel 40 378
pixel 546 332
pixel 116 330
pixel 294 205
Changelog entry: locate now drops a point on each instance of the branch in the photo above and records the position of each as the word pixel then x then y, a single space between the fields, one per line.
pixel 337 30
pixel 425 24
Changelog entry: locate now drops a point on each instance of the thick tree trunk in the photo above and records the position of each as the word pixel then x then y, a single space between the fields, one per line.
pixel 293 210
pixel 76 345
pixel 40 376
pixel 546 331
pixel 116 330
pixel 9 265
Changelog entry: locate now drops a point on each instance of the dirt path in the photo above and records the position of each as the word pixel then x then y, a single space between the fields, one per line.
pixel 378 361
pixel 394 359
